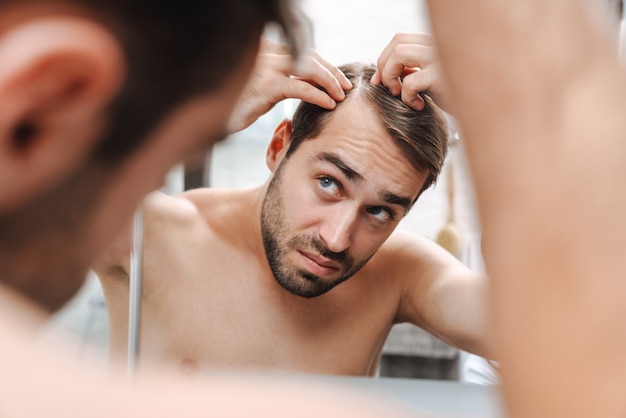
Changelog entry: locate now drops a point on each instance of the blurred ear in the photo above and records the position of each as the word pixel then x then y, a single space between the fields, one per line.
pixel 278 145
pixel 57 77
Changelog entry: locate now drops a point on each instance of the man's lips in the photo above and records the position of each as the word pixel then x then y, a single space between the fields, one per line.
pixel 319 265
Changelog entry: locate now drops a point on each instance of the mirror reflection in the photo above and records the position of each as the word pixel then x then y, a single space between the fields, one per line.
pixel 332 235
pixel 352 252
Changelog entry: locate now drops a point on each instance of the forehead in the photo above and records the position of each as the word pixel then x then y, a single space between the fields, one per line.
pixel 356 134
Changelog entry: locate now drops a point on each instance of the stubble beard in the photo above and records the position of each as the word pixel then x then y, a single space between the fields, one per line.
pixel 277 245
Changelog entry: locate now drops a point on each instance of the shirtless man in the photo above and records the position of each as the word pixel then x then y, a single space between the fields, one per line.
pixel 99 98
pixel 255 278
pixel 575 373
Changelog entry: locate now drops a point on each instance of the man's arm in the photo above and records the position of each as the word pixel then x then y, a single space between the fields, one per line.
pixel 541 101
pixel 440 294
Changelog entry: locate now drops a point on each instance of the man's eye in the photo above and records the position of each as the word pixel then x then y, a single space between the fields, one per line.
pixel 328 185
pixel 381 214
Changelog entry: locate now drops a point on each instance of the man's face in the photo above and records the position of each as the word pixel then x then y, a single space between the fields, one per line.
pixel 335 200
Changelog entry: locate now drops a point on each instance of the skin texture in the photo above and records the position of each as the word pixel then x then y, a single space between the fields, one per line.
pixel 541 104
pixel 212 301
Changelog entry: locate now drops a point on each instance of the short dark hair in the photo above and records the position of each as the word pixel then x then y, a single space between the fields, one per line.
pixel 175 50
pixel 422 135
pixel 172 51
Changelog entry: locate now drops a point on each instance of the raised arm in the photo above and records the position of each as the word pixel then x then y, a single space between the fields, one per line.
pixel 440 294
pixel 541 99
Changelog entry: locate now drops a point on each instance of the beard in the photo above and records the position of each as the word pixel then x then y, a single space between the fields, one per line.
pixel 278 243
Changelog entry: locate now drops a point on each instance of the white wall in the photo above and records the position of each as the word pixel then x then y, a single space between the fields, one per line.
pixel 358 30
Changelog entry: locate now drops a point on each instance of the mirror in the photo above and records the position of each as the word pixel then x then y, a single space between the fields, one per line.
pixel 356 30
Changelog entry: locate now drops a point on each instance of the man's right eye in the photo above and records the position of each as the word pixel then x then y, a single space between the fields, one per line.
pixel 329 185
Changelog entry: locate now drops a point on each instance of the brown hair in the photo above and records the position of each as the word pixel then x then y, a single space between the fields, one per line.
pixel 422 135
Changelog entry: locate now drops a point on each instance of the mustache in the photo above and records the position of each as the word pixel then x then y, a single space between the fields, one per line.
pixel 314 243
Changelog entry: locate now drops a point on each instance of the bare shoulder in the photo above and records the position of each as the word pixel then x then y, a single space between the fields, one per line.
pixel 213 201
pixel 407 247
pixel 225 211
pixel 188 208
pixel 161 214
pixel 170 209
pixel 176 220
pixel 413 259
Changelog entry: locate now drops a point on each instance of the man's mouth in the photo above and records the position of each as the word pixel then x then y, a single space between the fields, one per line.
pixel 319 265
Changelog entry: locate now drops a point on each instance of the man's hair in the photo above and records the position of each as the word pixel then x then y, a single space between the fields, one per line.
pixel 175 50
pixel 422 135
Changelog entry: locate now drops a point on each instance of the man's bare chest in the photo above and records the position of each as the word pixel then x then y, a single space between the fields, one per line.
pixel 229 315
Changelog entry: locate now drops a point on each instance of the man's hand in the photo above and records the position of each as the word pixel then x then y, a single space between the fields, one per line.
pixel 408 66
pixel 276 77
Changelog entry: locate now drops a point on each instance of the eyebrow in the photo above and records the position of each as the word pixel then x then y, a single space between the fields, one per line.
pixel 394 199
pixel 355 177
pixel 334 159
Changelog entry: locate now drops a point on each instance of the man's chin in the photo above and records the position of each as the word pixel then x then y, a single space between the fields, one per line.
pixel 306 286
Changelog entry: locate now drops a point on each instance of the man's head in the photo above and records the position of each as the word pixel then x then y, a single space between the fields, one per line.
pixel 343 180
pixel 99 99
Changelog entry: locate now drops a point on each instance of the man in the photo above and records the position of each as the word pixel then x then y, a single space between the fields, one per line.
pixel 541 97
pixel 99 100
pixel 304 273
pixel 526 289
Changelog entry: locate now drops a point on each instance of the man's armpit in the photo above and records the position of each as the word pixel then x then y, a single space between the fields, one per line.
pixel 116 271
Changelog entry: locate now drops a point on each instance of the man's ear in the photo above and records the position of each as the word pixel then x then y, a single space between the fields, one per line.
pixel 278 145
pixel 57 77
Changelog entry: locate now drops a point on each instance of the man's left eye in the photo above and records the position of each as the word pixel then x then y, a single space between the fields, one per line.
pixel 381 213
pixel 328 185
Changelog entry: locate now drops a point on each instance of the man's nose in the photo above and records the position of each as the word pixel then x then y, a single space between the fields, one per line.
pixel 337 229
